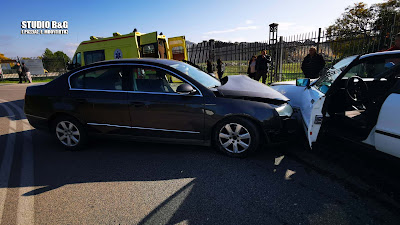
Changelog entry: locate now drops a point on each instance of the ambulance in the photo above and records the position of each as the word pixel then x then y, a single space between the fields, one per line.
pixel 132 45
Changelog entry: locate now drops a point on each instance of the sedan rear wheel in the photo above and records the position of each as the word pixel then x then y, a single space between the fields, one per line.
pixel 67 133
pixel 70 133
pixel 236 137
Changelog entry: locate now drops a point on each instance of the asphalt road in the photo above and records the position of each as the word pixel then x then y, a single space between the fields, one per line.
pixel 126 182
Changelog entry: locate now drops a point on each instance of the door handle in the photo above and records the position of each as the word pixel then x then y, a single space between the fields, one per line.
pixel 81 100
pixel 138 104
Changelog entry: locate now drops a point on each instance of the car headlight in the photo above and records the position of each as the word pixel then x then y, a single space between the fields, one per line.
pixel 284 110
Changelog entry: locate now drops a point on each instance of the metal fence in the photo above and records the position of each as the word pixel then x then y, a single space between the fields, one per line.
pixel 41 68
pixel 288 52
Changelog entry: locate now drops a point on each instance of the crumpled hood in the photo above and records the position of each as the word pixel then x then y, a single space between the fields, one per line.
pixel 243 86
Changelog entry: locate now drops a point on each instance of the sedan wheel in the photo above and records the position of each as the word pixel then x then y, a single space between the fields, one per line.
pixel 67 133
pixel 236 136
pixel 70 133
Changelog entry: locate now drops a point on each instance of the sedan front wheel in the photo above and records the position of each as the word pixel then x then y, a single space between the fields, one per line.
pixel 236 137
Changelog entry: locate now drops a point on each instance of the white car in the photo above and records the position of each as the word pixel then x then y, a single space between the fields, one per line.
pixel 358 99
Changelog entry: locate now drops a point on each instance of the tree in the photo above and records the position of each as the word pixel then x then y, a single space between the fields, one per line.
pixel 387 21
pixel 2 57
pixel 362 29
pixel 355 20
pixel 351 29
pixel 55 62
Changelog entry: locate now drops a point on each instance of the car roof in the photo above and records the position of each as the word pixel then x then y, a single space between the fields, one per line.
pixel 380 53
pixel 155 61
pixel 141 60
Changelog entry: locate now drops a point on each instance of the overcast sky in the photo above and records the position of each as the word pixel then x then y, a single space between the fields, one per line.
pixel 231 20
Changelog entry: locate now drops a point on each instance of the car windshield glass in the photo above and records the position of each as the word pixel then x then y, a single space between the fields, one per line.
pixel 200 76
pixel 324 82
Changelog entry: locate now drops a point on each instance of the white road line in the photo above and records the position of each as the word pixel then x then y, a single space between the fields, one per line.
pixel 25 209
pixel 5 167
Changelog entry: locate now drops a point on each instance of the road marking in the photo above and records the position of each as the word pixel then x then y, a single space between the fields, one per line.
pixel 25 209
pixel 5 167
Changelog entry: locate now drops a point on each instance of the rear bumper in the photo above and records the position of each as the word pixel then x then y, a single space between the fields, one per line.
pixel 38 122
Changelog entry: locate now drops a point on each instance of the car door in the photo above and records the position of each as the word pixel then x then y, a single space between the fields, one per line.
pixel 311 103
pixel 158 111
pixel 100 97
pixel 387 131
pixel 149 45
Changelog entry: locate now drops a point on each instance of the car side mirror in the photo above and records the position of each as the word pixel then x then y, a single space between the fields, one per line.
pixel 303 82
pixel 185 89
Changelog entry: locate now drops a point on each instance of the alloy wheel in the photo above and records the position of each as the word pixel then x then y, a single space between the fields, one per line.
pixel 67 133
pixel 234 138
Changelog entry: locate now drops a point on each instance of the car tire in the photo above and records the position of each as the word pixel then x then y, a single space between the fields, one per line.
pixel 236 137
pixel 70 133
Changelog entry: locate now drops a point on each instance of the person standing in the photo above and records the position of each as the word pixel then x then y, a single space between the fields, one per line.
pixel 312 64
pixel 209 67
pixel 19 71
pixel 220 68
pixel 396 45
pixel 251 70
pixel 262 65
pixel 25 72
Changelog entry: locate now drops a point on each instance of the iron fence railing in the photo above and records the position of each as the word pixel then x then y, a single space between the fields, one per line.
pixel 289 52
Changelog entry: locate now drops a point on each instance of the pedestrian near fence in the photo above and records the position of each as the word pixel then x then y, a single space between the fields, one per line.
pixel 262 66
pixel 209 67
pixel 251 70
pixel 220 68
pixel 312 64
pixel 19 72
pixel 25 73
pixel 396 45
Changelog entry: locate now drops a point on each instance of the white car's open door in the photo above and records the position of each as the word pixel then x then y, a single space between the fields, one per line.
pixel 387 132
pixel 312 101
pixel 315 121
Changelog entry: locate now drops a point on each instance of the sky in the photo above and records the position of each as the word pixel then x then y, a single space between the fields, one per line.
pixel 232 20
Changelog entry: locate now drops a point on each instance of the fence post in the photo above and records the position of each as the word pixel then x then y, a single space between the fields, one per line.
pixel 212 50
pixel 319 39
pixel 280 57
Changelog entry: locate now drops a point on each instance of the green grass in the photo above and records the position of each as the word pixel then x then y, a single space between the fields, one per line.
pixel 15 80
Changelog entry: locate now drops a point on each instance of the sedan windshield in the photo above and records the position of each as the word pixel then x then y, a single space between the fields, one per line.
pixel 200 76
pixel 324 82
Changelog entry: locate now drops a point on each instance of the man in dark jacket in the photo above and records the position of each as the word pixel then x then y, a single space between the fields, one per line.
pixel 312 64
pixel 19 71
pixel 396 45
pixel 24 70
pixel 262 64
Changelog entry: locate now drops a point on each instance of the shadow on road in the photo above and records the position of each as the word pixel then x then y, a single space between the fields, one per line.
pixel 257 190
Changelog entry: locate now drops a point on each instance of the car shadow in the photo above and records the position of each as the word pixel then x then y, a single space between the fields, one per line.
pixel 268 187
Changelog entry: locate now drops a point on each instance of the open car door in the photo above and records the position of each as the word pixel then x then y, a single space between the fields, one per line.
pixel 315 121
pixel 311 103
pixel 149 45
pixel 177 48
pixel 387 132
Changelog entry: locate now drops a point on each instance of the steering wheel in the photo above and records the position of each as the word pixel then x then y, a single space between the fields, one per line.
pixel 356 90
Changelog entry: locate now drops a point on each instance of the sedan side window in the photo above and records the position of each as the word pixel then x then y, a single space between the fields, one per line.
pixel 147 79
pixel 110 78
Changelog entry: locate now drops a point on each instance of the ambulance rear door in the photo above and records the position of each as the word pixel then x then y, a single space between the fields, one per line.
pixel 177 48
pixel 149 45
